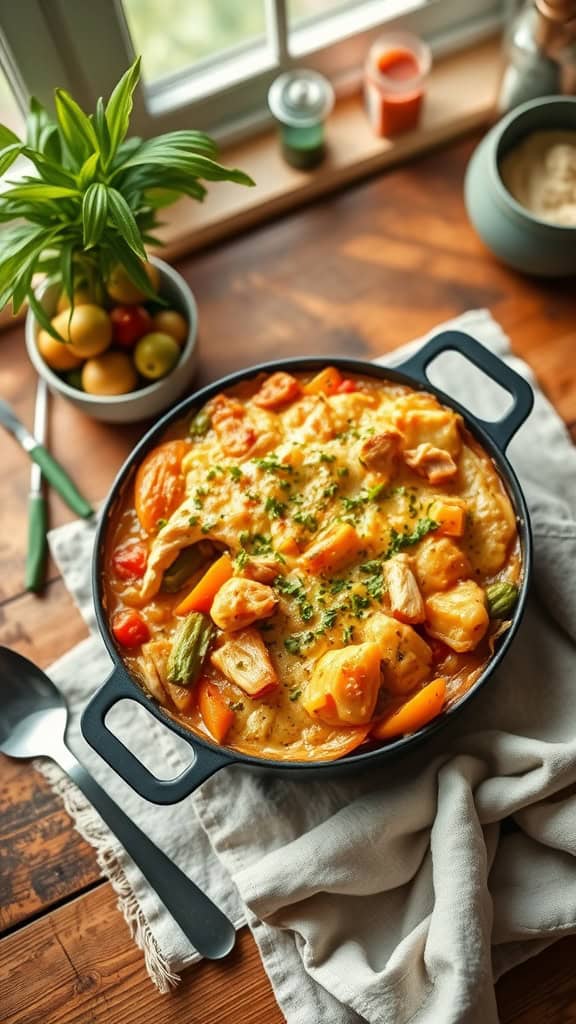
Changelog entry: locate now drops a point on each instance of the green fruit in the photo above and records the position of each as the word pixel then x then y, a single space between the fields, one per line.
pixel 74 379
pixel 155 355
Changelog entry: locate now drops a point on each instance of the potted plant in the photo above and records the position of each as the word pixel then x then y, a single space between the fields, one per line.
pixel 81 221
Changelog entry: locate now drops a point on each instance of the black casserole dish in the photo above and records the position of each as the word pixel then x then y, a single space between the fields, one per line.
pixel 209 756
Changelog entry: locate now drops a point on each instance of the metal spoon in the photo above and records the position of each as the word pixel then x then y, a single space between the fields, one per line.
pixel 33 717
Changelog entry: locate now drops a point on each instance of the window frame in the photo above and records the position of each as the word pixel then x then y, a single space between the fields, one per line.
pixel 64 42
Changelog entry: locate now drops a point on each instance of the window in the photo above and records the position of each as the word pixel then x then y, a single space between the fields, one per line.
pixel 208 64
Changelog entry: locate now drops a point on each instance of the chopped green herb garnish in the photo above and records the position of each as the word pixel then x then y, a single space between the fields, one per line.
pixel 338 585
pixel 358 604
pixel 328 619
pixel 348 634
pixel 161 523
pixel 208 525
pixel 294 695
pixel 306 519
pixel 324 457
pixel 271 464
pixel 330 490
pixel 193 521
pixel 296 641
pixel 399 541
pixel 241 559
pixel 343 471
pixel 370 567
pixel 275 509
pixel 235 472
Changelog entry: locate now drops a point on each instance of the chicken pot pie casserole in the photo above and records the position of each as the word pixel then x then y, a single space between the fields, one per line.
pixel 311 564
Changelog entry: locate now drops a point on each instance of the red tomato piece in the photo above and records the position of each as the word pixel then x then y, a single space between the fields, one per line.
pixel 129 324
pixel 346 387
pixel 130 629
pixel 129 561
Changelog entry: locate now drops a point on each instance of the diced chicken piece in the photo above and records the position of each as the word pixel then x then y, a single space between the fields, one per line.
pixel 344 685
pixel 404 597
pixel 492 524
pixel 381 453
pixel 233 428
pixel 240 602
pixel 244 659
pixel 437 427
pixel 152 665
pixel 440 564
pixel 333 549
pixel 459 616
pixel 263 570
pixel 435 464
pixel 318 424
pixel 277 390
pixel 406 657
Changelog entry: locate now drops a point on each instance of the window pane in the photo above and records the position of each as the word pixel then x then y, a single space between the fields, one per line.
pixel 305 10
pixel 172 35
pixel 10 112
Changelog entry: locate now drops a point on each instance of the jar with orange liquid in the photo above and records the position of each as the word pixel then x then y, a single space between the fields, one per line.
pixel 394 82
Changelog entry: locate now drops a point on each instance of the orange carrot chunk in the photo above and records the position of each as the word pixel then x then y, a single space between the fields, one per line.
pixel 201 596
pixel 215 710
pixel 326 382
pixel 450 514
pixel 414 714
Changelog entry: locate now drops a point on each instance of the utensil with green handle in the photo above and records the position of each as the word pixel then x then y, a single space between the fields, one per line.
pixel 51 469
pixel 37 507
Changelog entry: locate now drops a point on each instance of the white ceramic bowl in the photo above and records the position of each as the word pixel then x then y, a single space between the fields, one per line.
pixel 147 401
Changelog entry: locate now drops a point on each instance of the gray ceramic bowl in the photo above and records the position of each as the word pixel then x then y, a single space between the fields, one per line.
pixel 514 235
pixel 147 401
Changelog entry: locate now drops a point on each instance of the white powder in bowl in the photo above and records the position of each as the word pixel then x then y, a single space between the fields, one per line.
pixel 540 173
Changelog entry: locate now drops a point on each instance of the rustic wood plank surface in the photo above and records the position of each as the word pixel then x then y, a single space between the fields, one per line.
pixel 359 273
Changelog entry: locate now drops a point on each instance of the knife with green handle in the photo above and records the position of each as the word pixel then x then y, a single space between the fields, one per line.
pixel 52 470
pixel 37 509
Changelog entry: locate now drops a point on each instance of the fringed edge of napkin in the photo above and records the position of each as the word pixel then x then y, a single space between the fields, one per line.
pixel 90 826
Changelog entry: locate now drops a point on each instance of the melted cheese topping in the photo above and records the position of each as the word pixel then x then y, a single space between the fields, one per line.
pixel 325 498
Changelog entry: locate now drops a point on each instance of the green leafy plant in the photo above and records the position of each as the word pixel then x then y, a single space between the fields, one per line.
pixel 92 202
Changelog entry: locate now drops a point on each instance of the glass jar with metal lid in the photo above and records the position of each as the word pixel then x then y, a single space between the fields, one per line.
pixel 301 100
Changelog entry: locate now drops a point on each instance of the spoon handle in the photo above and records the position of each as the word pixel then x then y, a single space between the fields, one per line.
pixel 207 928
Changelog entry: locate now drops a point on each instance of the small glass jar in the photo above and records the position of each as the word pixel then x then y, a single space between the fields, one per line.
pixel 394 82
pixel 301 100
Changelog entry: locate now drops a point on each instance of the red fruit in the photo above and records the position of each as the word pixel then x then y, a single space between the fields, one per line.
pixel 129 561
pixel 129 324
pixel 130 629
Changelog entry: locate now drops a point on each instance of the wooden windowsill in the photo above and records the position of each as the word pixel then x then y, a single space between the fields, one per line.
pixel 461 96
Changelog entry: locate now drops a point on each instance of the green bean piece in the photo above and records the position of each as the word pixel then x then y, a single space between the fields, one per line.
pixel 501 599
pixel 189 649
pixel 201 424
pixel 186 564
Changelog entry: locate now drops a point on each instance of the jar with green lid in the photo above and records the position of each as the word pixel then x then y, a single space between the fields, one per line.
pixel 301 100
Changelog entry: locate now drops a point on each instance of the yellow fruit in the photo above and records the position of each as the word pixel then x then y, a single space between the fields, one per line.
pixel 168 321
pixel 56 354
pixel 121 289
pixel 88 330
pixel 109 374
pixel 82 297
pixel 155 355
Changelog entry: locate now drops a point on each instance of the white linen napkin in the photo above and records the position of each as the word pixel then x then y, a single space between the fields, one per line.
pixel 399 895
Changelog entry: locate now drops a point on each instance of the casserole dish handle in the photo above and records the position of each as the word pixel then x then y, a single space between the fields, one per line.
pixel 501 431
pixel 118 687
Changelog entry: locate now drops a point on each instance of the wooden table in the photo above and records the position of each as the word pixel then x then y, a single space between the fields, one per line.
pixel 358 273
